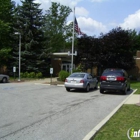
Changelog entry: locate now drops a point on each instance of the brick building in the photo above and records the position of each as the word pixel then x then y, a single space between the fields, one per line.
pixel 135 72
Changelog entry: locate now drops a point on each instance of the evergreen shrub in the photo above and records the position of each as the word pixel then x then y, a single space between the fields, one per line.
pixel 22 75
pixel 63 75
pixel 39 75
pixel 25 75
pixel 32 75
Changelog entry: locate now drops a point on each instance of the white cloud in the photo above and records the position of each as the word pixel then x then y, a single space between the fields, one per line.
pixel 70 3
pixel 87 24
pixel 132 21
pixel 45 4
pixel 90 26
pixel 80 11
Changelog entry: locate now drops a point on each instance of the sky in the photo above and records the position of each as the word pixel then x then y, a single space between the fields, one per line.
pixel 100 16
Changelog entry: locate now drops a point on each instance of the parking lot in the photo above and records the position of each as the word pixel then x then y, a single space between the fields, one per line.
pixel 38 111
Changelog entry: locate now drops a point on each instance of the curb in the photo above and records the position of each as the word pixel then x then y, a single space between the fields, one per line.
pixel 98 126
pixel 42 84
pixel 60 85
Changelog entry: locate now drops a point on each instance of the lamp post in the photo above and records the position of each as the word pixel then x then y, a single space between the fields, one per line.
pixel 17 33
pixel 72 54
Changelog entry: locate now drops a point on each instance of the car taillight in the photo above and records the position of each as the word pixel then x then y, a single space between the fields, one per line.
pixel 81 81
pixel 120 79
pixel 66 80
pixel 103 78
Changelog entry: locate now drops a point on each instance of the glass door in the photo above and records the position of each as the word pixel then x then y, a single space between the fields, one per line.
pixel 66 67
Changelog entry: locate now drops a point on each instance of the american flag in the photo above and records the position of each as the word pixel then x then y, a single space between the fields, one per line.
pixel 77 29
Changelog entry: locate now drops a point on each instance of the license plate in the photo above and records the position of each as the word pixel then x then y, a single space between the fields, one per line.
pixel 73 81
pixel 111 78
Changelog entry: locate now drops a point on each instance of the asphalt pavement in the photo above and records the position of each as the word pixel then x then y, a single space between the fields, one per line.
pixel 131 99
pixel 74 107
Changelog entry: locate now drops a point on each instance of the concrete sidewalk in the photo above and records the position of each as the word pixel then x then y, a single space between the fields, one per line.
pixel 133 99
pixel 41 81
pixel 53 79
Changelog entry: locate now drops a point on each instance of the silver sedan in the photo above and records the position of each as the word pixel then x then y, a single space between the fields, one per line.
pixel 4 78
pixel 81 80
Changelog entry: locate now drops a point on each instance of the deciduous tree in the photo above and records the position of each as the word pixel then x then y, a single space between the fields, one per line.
pixel 116 49
pixel 56 28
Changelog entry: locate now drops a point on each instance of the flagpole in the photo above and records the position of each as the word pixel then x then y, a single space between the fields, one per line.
pixel 73 40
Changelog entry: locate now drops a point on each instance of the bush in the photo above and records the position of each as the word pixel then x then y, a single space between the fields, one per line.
pixel 32 75
pixel 63 75
pixel 22 75
pixel 38 75
pixel 25 75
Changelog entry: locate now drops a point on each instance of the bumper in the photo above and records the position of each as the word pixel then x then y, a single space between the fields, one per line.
pixel 113 87
pixel 75 86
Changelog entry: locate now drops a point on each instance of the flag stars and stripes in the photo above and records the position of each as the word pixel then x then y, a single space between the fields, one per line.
pixel 77 29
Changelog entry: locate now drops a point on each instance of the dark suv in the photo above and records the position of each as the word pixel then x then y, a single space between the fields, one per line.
pixel 114 80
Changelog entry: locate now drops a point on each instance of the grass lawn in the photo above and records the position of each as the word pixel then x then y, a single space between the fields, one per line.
pixel 136 85
pixel 116 128
pixel 128 116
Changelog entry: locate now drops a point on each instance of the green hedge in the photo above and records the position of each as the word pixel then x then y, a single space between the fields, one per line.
pixel 31 75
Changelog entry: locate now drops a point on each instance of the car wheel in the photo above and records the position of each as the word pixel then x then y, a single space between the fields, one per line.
pixel 101 90
pixel 125 91
pixel 96 86
pixel 128 88
pixel 67 89
pixel 87 88
pixel 4 80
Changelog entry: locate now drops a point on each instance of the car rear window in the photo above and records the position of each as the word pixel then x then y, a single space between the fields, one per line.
pixel 112 73
pixel 77 75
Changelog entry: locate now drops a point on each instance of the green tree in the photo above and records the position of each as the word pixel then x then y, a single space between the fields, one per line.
pixel 6 22
pixel 116 49
pixel 88 52
pixel 135 38
pixel 29 22
pixel 56 30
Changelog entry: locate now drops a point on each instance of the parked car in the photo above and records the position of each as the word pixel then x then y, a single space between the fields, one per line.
pixel 81 80
pixel 114 80
pixel 4 78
